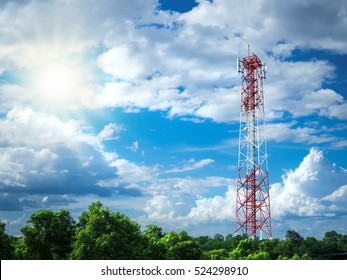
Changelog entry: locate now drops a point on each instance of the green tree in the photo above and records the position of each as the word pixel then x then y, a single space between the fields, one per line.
pixel 6 245
pixel 244 248
pixel 156 249
pixel 284 249
pixel 48 235
pixel 312 247
pixel 294 237
pixel 237 239
pixel 181 246
pixel 342 243
pixel 217 242
pixel 297 257
pixel 228 241
pixel 102 234
pixel 258 256
pixel 268 246
pixel 216 254
pixel 218 237
pixel 295 240
pixel 330 246
pixel 20 250
pixel 204 242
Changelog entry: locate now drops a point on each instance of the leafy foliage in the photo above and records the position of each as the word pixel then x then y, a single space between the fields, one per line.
pixel 181 246
pixel 156 248
pixel 48 235
pixel 103 234
pixel 6 246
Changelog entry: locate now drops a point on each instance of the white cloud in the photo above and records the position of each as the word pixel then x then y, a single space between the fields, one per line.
pixel 222 105
pixel 43 30
pixel 111 131
pixel 12 95
pixel 151 53
pixel 304 188
pixel 218 208
pixel 324 102
pixel 123 64
pixel 133 174
pixel 51 200
pixel 177 211
pixel 322 98
pixel 134 147
pixel 267 22
pixel 179 202
pixel 286 201
pixel 316 176
pixel 151 180
pixel 187 185
pixel 23 126
pixel 194 120
pixel 314 190
pixel 165 207
pixel 291 131
pixel 158 93
pixel 40 154
pixel 211 89
pixel 338 111
pixel 340 195
pixel 192 165
pixel 290 83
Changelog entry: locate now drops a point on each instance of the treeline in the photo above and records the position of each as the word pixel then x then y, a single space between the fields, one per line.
pixel 103 234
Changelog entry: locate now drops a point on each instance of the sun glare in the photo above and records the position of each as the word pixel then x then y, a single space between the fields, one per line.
pixel 57 83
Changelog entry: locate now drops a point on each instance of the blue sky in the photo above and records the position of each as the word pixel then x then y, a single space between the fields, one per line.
pixel 136 104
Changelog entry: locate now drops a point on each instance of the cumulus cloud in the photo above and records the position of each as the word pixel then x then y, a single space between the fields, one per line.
pixel 186 204
pixel 111 131
pixel 316 176
pixel 316 188
pixel 210 89
pixel 135 175
pixel 294 24
pixel 338 111
pixel 165 207
pixel 42 154
pixel 123 64
pixel 175 211
pixel 304 188
pixel 166 61
pixel 340 195
pixel 286 90
pixel 218 208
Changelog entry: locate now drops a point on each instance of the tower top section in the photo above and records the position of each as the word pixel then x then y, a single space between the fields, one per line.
pixel 250 63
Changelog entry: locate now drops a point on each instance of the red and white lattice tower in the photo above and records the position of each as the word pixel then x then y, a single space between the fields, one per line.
pixel 253 215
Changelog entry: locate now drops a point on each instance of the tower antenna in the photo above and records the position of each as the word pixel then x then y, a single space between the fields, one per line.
pixel 253 215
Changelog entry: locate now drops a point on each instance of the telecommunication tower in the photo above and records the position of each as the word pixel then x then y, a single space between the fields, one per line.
pixel 253 215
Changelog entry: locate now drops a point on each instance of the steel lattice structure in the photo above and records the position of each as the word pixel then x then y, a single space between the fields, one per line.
pixel 253 215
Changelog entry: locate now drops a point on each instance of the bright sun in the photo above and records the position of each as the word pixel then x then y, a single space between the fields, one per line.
pixel 57 83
